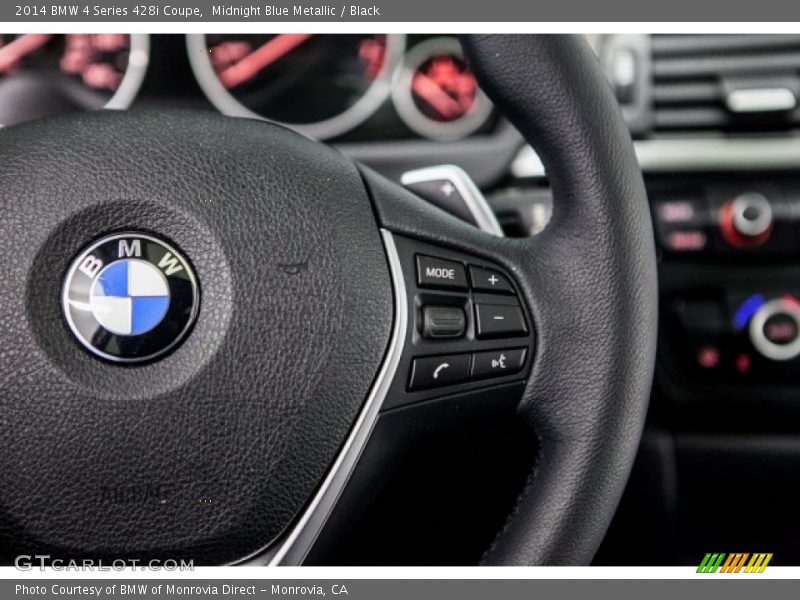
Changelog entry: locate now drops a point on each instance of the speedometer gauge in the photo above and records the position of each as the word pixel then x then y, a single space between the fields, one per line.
pixel 45 74
pixel 321 85
pixel 436 94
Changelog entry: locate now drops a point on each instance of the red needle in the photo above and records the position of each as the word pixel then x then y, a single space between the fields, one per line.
pixel 261 57
pixel 24 44
pixel 434 95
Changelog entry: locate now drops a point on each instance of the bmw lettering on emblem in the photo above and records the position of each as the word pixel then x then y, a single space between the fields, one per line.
pixel 130 297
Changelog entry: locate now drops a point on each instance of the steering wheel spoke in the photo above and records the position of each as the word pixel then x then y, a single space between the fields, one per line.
pixel 462 349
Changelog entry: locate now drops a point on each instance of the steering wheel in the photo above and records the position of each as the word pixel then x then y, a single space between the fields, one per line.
pixel 205 322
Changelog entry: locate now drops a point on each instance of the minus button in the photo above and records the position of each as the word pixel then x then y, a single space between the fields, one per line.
pixel 499 320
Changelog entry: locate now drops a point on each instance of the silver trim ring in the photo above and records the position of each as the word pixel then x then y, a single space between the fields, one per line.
pixel 762 344
pixel 745 225
pixel 402 95
pixel 302 535
pixel 227 104
pixel 138 59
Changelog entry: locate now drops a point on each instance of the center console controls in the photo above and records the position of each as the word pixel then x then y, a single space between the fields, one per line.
pixel 739 335
pixel 726 222
pixel 730 252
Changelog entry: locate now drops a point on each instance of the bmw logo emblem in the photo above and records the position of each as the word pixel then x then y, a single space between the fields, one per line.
pixel 130 297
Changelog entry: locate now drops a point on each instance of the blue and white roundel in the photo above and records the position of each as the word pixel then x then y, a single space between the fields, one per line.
pixel 129 297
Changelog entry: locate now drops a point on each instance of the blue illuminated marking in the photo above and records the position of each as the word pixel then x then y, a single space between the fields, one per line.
pixel 746 310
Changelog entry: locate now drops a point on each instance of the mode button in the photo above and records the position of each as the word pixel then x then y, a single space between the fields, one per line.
pixel 440 273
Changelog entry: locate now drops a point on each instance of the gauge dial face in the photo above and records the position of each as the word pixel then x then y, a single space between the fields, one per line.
pixel 48 74
pixel 321 85
pixel 436 94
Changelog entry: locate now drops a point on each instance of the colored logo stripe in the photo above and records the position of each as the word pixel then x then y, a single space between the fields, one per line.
pixel 734 562
pixel 710 563
pixel 758 563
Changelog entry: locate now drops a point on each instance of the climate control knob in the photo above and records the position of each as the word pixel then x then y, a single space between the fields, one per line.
pixel 746 220
pixel 775 329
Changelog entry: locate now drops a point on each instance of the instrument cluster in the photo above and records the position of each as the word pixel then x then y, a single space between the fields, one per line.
pixel 351 87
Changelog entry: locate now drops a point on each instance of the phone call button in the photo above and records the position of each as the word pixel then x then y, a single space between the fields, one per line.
pixel 433 371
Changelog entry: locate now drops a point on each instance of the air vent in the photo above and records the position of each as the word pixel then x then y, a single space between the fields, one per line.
pixel 727 83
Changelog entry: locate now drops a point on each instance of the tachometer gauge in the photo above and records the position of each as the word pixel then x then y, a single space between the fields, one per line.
pixel 47 74
pixel 321 85
pixel 436 94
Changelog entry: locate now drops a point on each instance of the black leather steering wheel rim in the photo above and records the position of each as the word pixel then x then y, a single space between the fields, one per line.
pixel 590 280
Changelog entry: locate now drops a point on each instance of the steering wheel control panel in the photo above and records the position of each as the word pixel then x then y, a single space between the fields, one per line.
pixel 720 220
pixel 468 326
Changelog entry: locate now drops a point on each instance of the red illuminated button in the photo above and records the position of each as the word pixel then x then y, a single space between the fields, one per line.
pixel 682 223
pixel 708 357
pixel 692 240
pixel 680 212
pixel 746 221
pixel 743 363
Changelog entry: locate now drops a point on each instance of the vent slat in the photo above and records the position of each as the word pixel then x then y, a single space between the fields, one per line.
pixel 743 64
pixel 673 45
pixel 710 117
pixel 680 93
pixel 690 118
